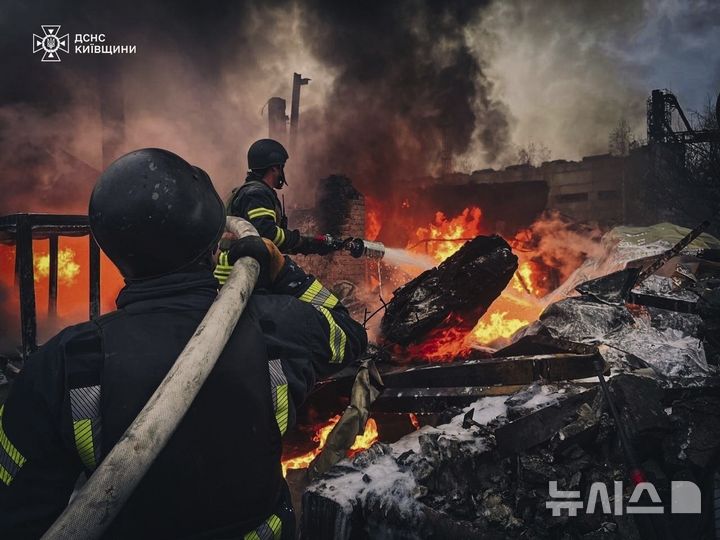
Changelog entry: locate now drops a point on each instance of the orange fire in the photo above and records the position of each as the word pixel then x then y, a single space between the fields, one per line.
pixel 445 236
pixel 68 268
pixel 514 309
pixel 522 281
pixel 414 421
pixel 442 345
pixel 497 325
pixel 363 441
pixel 373 224
pixel 73 286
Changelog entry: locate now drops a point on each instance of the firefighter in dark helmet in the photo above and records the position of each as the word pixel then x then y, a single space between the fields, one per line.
pixel 257 201
pixel 159 219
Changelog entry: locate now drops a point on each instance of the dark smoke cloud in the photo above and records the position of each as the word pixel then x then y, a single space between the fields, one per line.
pixel 175 91
pixel 407 93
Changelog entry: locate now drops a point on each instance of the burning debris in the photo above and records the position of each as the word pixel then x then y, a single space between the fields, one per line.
pixel 493 469
pixel 447 301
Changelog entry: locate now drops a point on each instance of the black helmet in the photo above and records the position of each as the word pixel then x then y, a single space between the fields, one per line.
pixel 266 153
pixel 153 213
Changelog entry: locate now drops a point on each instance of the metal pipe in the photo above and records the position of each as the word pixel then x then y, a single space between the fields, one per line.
pixel 106 491
pixel 53 277
pixel 24 258
pixel 298 81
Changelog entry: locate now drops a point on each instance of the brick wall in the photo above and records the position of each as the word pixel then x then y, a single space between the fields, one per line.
pixel 340 271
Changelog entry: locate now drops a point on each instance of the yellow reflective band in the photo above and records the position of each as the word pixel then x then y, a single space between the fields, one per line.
pixel 259 212
pixel 11 460
pixel 5 476
pixel 84 442
pixel 337 340
pixel 311 292
pixel 223 268
pixel 279 239
pixel 271 529
pixel 276 526
pixel 282 411
pixel 318 295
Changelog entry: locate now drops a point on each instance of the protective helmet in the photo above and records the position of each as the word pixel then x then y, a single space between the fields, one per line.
pixel 266 153
pixel 153 213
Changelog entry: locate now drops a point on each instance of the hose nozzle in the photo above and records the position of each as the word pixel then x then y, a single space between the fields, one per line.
pixel 365 248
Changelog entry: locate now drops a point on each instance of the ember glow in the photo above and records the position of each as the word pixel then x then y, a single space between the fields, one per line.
pixel 363 441
pixel 444 344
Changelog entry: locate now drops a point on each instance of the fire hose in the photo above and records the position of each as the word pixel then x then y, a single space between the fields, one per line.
pixel 109 487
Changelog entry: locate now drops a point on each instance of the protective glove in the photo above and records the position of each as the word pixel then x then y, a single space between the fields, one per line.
pixel 266 253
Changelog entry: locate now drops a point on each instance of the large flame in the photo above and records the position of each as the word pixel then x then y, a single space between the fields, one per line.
pixel 73 286
pixel 362 441
pixel 445 236
pixel 514 309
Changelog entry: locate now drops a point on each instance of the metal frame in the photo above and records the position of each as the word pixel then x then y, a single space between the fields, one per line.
pixel 20 230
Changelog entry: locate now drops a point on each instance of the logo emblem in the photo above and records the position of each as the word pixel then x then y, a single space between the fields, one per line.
pixel 51 43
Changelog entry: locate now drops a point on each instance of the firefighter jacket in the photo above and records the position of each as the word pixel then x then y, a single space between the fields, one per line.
pixel 221 469
pixel 258 203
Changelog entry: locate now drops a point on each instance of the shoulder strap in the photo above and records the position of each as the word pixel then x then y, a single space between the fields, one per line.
pixel 84 362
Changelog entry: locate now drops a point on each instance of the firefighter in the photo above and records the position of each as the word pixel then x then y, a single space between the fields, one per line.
pixel 159 219
pixel 257 201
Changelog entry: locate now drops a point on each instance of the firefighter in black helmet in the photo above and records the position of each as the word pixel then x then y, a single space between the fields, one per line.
pixel 257 201
pixel 159 219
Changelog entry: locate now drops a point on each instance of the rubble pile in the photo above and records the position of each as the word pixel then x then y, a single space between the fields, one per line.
pixel 463 479
pixel 493 469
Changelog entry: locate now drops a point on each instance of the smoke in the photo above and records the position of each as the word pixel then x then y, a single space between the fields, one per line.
pixel 408 93
pixel 398 91
pixel 560 244
pixel 196 86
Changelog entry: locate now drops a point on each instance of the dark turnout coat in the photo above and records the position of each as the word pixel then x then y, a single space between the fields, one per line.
pixel 258 203
pixel 221 469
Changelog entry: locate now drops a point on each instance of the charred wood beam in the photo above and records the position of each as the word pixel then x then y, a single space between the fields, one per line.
pixel 507 371
pixel 544 344
pixel 428 388
pixel 24 255
pixel 433 400
pixel 663 302
pixel 541 425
